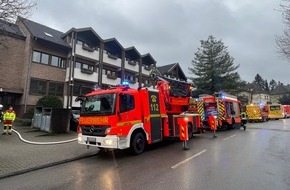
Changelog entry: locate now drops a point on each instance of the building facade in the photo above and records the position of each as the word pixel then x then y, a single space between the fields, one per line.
pixel 40 61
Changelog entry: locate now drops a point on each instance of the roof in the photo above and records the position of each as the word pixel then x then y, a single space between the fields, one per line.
pixel 254 88
pixel 43 32
pixel 132 53
pixel 281 89
pixel 168 69
pixel 11 29
pixel 88 31
pixel 112 44
pixel 147 59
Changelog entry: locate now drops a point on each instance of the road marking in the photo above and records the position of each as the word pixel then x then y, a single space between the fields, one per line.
pixel 230 137
pixel 186 160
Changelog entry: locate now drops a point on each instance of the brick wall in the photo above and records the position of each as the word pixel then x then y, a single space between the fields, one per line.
pixel 12 65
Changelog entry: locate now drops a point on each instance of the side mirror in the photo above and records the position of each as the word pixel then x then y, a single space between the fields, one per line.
pixel 80 98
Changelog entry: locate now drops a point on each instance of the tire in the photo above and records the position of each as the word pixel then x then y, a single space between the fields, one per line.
pixel 190 133
pixel 137 144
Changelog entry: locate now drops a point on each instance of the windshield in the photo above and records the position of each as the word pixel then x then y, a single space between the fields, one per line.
pixel 101 104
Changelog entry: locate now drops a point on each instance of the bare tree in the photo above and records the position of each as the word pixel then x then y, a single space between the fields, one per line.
pixel 283 40
pixel 10 9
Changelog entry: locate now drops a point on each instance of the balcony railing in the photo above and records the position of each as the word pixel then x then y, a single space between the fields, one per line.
pixel 90 49
pixel 87 71
pixel 133 63
pixel 112 56
pixel 114 77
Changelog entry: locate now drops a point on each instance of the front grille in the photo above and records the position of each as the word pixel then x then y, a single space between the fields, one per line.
pixel 94 130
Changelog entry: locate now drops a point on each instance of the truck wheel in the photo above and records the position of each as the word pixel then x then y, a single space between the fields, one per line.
pixel 137 144
pixel 190 133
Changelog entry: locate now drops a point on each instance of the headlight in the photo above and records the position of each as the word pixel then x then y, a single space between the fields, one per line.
pixel 108 141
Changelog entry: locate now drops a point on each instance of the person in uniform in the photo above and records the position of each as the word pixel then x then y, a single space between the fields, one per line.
pixel 8 118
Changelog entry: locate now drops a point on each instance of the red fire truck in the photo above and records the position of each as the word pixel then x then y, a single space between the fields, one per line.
pixel 121 117
pixel 224 107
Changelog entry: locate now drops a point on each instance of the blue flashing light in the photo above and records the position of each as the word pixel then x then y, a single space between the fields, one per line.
pixel 125 83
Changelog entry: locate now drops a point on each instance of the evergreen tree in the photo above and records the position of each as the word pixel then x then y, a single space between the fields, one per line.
pixel 272 85
pixel 266 86
pixel 214 68
pixel 259 80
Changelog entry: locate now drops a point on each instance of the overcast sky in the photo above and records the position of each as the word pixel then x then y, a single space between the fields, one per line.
pixel 171 30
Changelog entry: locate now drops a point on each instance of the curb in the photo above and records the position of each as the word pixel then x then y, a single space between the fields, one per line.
pixel 11 174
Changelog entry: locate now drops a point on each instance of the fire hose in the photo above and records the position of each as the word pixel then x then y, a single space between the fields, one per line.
pixel 42 143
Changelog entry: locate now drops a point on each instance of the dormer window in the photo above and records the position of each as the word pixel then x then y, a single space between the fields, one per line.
pixel 48 34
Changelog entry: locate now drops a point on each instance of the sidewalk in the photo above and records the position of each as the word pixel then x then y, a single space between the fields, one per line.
pixel 19 157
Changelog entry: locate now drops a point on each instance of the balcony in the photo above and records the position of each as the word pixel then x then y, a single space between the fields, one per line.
pixel 74 103
pixel 87 71
pixel 113 77
pixel 135 85
pixel 110 80
pixel 86 75
pixel 88 52
pixel 146 70
pixel 111 59
pixel 132 65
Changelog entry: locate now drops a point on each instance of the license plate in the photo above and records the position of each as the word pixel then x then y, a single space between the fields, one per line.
pixel 91 139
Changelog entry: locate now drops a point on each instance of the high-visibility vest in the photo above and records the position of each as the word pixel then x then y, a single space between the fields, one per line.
pixel 244 115
pixel 9 115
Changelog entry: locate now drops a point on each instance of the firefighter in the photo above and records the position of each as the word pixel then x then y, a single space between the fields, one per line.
pixel 8 118
pixel 244 118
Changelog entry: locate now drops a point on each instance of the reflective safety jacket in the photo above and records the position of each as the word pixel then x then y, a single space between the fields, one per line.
pixel 9 115
pixel 244 116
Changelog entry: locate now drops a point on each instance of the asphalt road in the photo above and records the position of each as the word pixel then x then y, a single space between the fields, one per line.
pixel 258 158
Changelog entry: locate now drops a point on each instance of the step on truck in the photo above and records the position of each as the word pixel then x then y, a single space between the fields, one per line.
pixel 125 118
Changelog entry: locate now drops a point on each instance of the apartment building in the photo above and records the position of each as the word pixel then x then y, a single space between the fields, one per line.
pixel 173 71
pixel 39 61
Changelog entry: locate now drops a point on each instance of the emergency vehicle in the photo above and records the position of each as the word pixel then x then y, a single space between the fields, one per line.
pixel 257 112
pixel 224 107
pixel 275 111
pixel 286 111
pixel 122 117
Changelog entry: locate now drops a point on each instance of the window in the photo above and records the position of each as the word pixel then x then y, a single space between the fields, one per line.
pixel 88 67
pixel 37 87
pixel 54 61
pixel 44 58
pixel 55 89
pixel 36 56
pixel 126 102
pixel 78 65
pixel 47 59
pixel 81 88
pixel 57 62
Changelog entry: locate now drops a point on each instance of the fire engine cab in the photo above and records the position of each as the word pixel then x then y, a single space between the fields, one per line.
pixel 224 107
pixel 121 117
